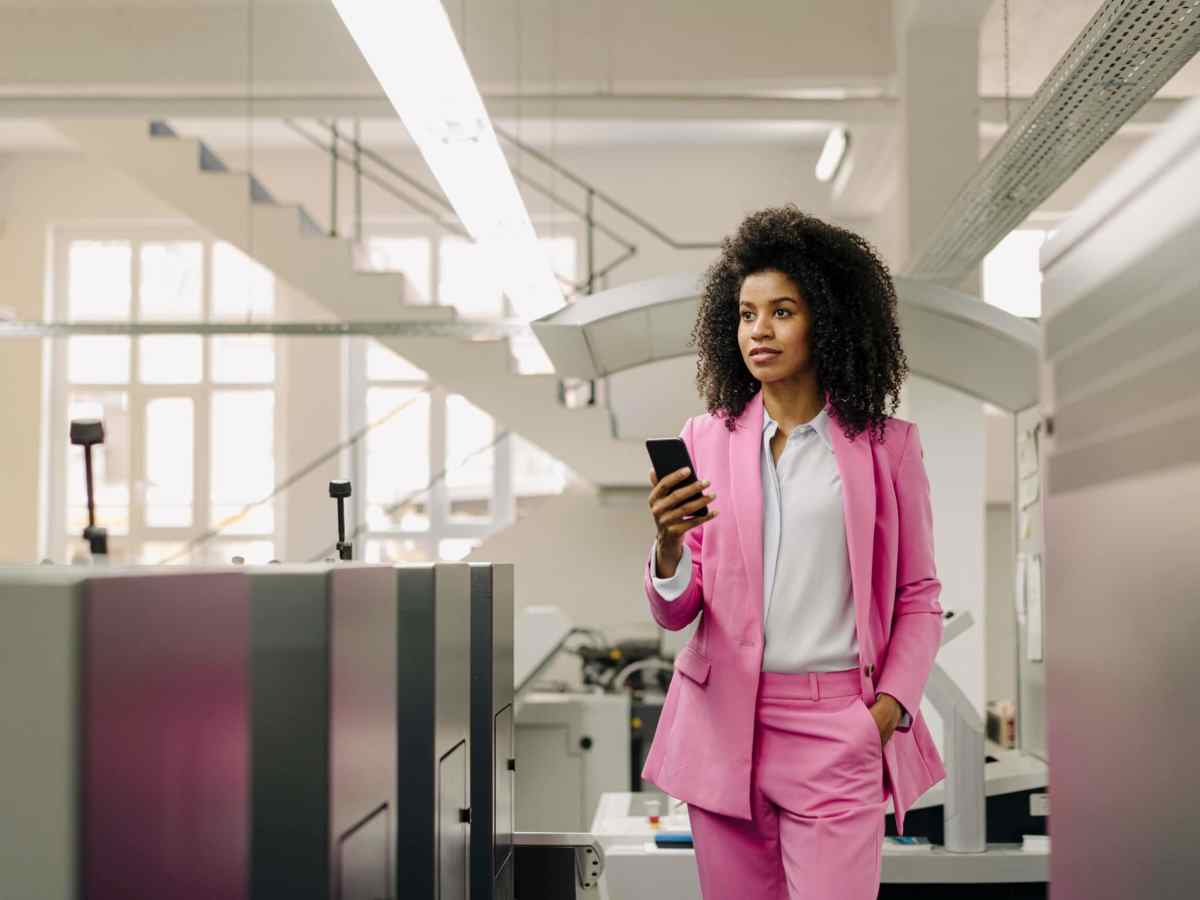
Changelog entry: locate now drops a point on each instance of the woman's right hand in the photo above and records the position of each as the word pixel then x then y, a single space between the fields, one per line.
pixel 669 503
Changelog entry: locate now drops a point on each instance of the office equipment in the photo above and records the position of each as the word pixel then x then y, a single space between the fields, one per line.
pixel 126 733
pixel 323 730
pixel 493 751
pixel 340 491
pixel 433 656
pixel 87 433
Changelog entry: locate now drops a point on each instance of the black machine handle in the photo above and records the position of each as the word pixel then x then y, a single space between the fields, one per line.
pixel 340 490
pixel 86 433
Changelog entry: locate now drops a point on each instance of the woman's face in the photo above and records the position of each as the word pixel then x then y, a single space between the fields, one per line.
pixel 773 316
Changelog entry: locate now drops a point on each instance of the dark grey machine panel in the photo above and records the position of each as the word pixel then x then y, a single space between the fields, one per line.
pixel 363 730
pixel 433 604
pixel 493 760
pixel 289 725
pixel 323 730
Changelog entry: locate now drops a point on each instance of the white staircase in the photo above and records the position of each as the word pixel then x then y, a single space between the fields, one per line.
pixel 236 207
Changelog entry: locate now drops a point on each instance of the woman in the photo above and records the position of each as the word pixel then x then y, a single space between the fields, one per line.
pixel 798 710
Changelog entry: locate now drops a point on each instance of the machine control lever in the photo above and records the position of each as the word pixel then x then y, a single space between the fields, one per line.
pixel 86 433
pixel 340 490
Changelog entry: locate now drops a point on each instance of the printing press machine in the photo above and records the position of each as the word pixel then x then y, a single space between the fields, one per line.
pixel 314 730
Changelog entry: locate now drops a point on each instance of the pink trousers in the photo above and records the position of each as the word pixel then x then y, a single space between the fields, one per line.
pixel 816 797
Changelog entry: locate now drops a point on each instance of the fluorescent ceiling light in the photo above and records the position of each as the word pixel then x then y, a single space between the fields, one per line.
pixel 832 154
pixel 412 50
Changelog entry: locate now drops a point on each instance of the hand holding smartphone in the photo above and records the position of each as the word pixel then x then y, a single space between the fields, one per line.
pixel 670 455
pixel 677 501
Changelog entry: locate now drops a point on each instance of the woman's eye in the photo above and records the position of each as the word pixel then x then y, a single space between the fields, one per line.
pixel 784 311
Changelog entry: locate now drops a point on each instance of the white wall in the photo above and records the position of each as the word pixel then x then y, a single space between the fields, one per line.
pixel 313 422
pixel 1002 618
pixel 584 555
pixel 953 436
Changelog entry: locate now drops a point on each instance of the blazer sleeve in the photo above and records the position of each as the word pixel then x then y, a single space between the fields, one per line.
pixel 917 617
pixel 678 613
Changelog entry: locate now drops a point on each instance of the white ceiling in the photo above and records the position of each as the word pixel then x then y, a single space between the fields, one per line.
pixel 688 52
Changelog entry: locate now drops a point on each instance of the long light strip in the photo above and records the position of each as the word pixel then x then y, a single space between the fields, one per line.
pixel 412 50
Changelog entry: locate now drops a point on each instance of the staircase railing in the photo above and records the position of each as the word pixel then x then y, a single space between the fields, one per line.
pixel 366 164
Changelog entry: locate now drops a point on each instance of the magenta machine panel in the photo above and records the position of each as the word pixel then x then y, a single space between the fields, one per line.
pixel 165 736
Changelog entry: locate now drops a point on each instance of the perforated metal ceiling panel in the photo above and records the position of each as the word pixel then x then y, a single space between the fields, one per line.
pixel 1122 57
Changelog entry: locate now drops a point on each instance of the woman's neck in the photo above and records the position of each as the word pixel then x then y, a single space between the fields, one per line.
pixel 792 403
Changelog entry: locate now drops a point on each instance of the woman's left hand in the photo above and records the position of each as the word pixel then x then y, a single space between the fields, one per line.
pixel 887 713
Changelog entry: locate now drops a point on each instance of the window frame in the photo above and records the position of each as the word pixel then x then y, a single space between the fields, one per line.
pixel 54 527
pixel 503 507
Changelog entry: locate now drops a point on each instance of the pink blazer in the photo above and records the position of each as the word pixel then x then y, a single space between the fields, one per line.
pixel 701 748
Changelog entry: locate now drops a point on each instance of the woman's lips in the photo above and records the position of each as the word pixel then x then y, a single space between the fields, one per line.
pixel 764 355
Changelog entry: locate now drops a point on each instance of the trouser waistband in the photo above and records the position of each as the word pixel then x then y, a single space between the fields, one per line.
pixel 810 685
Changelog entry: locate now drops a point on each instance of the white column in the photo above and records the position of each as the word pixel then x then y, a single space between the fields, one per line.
pixel 937 49
pixel 937 73
pixel 312 422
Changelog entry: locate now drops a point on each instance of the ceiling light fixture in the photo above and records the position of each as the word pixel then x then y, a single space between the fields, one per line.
pixel 833 153
pixel 414 53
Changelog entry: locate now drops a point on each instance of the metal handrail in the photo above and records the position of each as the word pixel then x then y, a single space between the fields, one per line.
pixel 616 205
pixel 360 172
pixel 587 215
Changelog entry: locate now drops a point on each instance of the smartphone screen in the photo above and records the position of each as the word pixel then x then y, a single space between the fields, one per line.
pixel 669 454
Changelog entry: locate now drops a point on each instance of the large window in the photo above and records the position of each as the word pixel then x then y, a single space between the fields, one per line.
pixel 434 474
pixel 190 422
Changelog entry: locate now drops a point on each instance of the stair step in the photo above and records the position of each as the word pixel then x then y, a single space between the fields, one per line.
pixel 209 161
pixel 294 218
pixel 234 186
pixel 236 207
pixel 308 225
pixel 258 193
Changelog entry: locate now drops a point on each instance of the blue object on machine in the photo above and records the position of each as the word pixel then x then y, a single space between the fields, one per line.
pixel 675 839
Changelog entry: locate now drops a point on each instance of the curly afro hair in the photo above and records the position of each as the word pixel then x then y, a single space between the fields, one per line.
pixel 854 338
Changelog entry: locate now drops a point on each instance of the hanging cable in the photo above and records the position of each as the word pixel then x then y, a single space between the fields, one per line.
pixel 250 150
pixel 1007 84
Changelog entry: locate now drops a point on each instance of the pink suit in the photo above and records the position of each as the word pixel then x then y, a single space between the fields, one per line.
pixel 714 720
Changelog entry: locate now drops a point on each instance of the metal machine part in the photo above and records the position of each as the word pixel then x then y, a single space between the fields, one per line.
pixel 1107 642
pixel 572 748
pixel 432 835
pixel 323 729
pixel 87 433
pixel 340 490
pixel 545 870
pixel 493 750
pixel 289 704
pixel 126 693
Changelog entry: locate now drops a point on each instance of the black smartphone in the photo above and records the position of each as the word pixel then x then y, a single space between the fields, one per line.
pixel 668 455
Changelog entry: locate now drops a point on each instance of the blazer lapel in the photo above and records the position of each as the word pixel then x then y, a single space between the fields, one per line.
pixel 745 475
pixel 856 468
